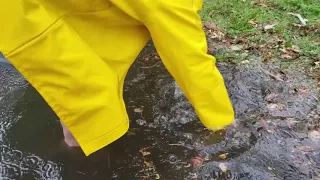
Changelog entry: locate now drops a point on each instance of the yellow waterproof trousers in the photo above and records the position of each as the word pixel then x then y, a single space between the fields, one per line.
pixel 76 53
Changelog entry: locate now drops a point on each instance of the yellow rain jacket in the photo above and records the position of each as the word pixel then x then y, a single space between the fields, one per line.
pixel 76 53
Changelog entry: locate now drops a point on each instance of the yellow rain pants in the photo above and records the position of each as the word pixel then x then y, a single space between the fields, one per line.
pixel 76 53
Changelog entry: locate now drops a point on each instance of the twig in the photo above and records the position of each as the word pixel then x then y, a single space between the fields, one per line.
pixel 143 90
pixel 95 173
pixel 147 67
pixel 272 75
pixel 176 145
pixel 81 172
pixel 186 146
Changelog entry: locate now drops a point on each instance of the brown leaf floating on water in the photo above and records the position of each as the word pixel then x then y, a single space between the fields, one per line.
pixel 223 156
pixel 303 90
pixel 144 152
pixel 138 110
pixel 271 97
pixel 223 167
pixel 304 148
pixel 197 161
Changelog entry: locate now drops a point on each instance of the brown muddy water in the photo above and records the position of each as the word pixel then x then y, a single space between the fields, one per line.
pixel 276 135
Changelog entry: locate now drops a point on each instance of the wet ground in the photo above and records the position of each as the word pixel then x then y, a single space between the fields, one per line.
pixel 275 137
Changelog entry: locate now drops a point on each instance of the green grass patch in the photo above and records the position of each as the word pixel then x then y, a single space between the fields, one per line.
pixel 233 17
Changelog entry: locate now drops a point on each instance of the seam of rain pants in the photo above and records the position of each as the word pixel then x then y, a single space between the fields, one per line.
pixel 11 52
pixel 88 147
pixel 110 136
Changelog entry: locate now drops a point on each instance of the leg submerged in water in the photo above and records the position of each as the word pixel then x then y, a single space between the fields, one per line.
pixel 69 139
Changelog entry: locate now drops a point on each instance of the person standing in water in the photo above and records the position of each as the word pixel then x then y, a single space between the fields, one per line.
pixel 76 53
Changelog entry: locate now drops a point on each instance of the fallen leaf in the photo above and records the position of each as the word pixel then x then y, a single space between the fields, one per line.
pixel 218 35
pixel 273 106
pixel 227 42
pixel 148 164
pixel 303 90
pixel 260 118
pixel 296 50
pixel 281 107
pixel 245 62
pixel 211 26
pixel 262 46
pixel 291 122
pixel 314 135
pixel 304 148
pixel 284 50
pixel 253 23
pixel 210 14
pixel 274 22
pixel 157 176
pixel 286 56
pixel 138 110
pixel 223 156
pixel 277 77
pixel 265 126
pixel 260 3
pixel 297 25
pixel 289 51
pixel 144 152
pixel 271 97
pixel 223 167
pixel 197 161
pixel 271 25
pixel 268 57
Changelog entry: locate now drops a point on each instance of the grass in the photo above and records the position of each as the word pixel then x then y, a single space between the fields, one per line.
pixel 233 17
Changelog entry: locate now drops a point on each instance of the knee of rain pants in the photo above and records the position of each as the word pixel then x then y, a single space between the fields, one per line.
pixel 77 53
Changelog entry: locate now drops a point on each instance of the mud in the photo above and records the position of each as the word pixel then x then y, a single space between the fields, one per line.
pixel 275 135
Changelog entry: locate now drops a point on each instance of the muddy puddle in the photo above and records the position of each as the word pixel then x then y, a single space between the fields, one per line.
pixel 275 135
